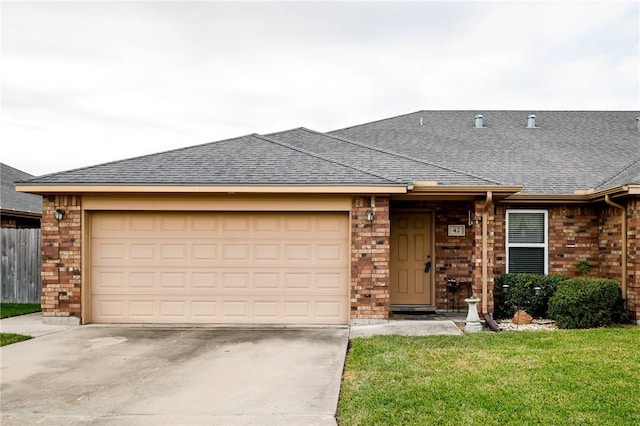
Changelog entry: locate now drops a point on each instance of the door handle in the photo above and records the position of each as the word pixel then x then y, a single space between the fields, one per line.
pixel 427 266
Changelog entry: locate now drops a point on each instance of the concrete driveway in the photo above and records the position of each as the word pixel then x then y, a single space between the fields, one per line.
pixel 174 376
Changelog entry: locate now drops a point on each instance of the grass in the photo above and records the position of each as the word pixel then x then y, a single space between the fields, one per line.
pixel 569 377
pixel 14 309
pixel 11 310
pixel 9 338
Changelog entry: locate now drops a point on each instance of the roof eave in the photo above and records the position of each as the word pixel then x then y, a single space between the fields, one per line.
pixel 433 189
pixel 580 197
pixel 20 213
pixel 39 188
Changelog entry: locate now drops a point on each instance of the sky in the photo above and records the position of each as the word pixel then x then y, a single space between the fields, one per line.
pixel 84 83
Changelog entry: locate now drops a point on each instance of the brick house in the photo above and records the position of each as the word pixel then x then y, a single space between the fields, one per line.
pixel 347 226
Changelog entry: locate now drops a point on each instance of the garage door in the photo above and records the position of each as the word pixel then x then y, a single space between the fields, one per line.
pixel 287 268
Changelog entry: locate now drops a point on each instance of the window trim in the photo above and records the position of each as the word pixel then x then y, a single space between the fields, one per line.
pixel 544 245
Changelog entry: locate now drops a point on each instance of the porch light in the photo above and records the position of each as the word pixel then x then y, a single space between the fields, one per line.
pixel 370 215
pixel 58 213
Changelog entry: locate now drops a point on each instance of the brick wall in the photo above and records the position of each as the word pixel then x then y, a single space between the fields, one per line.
pixel 7 222
pixel 61 257
pixel 609 244
pixel 573 237
pixel 453 255
pixel 370 259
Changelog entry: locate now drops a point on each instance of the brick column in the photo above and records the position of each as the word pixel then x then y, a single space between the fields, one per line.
pixel 369 260
pixel 61 257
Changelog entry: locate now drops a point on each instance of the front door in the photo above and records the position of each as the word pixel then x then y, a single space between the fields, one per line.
pixel 411 259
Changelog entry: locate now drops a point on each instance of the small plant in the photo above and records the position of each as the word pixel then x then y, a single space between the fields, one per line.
pixel 583 267
pixel 530 292
pixel 587 303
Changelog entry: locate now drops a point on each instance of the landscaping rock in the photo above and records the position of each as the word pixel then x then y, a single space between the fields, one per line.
pixel 536 324
pixel 522 318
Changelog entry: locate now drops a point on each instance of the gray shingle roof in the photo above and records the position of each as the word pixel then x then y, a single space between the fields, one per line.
pixel 16 201
pixel 377 160
pixel 629 176
pixel 570 150
pixel 247 160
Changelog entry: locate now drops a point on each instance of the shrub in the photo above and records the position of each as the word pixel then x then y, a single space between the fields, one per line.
pixel 522 294
pixel 587 303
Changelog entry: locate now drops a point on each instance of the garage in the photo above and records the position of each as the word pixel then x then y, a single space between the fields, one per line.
pixel 219 267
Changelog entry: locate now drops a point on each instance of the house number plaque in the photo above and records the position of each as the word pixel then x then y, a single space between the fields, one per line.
pixel 456 231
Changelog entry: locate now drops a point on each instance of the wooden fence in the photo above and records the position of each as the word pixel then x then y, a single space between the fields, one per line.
pixel 20 265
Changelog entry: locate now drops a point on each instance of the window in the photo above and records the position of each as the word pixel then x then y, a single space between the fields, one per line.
pixel 527 249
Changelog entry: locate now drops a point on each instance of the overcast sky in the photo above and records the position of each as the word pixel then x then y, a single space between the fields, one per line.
pixel 89 82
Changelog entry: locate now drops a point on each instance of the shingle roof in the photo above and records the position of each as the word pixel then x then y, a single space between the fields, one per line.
pixel 570 150
pixel 247 160
pixel 10 200
pixel 377 160
pixel 629 176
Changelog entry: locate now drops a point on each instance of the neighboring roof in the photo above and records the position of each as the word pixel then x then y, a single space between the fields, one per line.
pixel 569 151
pixel 12 201
pixel 247 160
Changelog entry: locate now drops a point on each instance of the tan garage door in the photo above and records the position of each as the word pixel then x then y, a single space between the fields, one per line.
pixel 219 268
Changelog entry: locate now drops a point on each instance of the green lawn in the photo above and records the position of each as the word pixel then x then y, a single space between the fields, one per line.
pixel 9 338
pixel 569 377
pixel 11 310
pixel 14 309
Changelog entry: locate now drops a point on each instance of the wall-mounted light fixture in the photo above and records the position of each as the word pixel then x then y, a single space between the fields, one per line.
pixel 370 215
pixel 59 213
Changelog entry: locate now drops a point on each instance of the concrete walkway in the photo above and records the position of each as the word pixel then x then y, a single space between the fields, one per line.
pixel 407 328
pixel 30 325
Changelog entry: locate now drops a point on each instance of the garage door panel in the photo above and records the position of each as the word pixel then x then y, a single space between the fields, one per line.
pixel 234 280
pixel 142 252
pixel 201 252
pixel 205 281
pixel 204 310
pixel 267 281
pixel 220 267
pixel 235 253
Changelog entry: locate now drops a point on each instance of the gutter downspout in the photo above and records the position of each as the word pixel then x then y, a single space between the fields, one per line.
pixel 485 249
pixel 623 260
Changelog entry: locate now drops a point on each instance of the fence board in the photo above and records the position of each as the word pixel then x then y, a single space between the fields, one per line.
pixel 20 261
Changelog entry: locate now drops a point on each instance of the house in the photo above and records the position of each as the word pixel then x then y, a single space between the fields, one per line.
pixel 296 227
pixel 17 209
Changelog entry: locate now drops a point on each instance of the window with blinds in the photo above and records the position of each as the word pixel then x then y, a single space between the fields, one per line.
pixel 527 248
